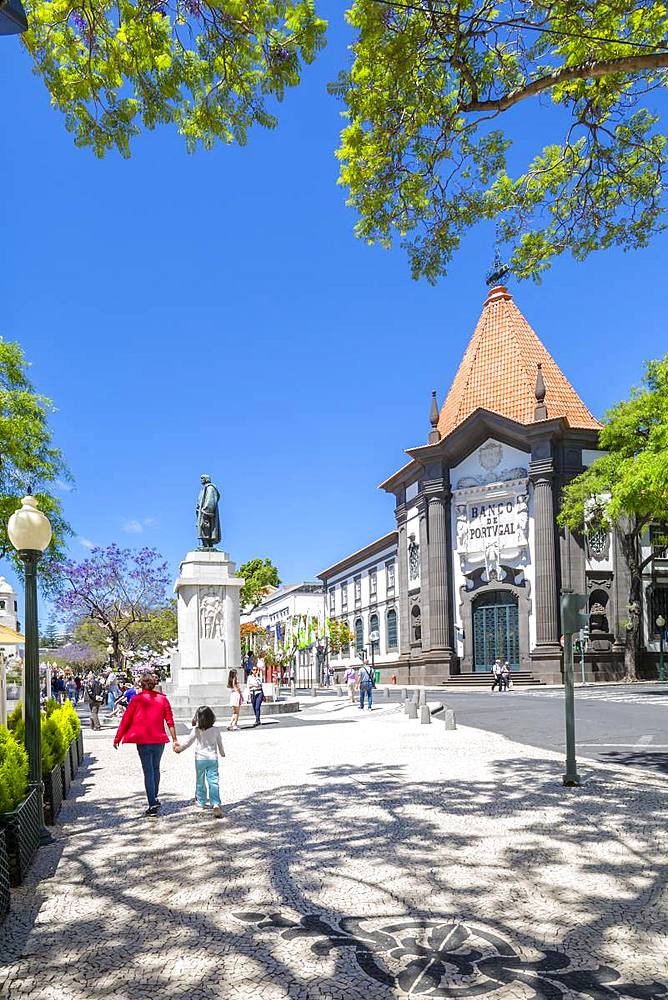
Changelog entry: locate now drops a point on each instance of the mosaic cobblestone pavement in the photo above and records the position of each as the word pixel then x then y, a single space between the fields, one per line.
pixel 360 856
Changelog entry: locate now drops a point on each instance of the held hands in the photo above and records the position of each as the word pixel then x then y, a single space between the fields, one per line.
pixel 176 747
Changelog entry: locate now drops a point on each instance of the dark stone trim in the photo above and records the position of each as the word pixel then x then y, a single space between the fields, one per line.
pixel 466 617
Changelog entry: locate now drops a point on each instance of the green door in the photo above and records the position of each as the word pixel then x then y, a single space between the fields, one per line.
pixel 496 630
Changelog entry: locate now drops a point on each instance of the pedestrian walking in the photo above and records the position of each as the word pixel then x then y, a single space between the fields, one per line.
pixel 366 684
pixel 293 679
pixel 256 692
pixel 505 676
pixel 236 699
pixel 94 693
pixel 208 741
pixel 113 690
pixel 144 724
pixel 71 689
pixel 497 669
pixel 350 680
pixel 248 665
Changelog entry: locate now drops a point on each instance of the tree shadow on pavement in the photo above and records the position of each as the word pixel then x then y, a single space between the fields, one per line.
pixel 351 884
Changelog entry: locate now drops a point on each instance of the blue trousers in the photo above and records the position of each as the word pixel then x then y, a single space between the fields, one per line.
pixel 150 755
pixel 369 694
pixel 257 704
pixel 206 772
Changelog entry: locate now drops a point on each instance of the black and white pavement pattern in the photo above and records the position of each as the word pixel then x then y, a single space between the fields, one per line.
pixel 361 855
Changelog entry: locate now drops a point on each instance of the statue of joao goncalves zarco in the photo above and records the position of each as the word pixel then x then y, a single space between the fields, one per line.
pixel 208 518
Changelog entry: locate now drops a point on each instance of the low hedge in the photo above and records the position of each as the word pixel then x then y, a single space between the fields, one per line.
pixel 13 771
pixel 60 726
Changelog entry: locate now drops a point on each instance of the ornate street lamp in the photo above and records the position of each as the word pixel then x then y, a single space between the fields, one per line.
pixel 661 624
pixel 12 17
pixel 30 533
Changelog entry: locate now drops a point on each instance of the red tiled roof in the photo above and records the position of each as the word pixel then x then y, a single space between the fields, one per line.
pixel 498 372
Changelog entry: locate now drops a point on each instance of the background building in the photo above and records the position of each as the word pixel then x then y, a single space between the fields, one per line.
pixel 362 590
pixel 477 562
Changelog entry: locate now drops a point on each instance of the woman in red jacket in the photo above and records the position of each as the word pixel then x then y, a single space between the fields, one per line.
pixel 144 724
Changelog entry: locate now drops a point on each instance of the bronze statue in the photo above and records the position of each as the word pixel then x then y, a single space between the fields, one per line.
pixel 208 520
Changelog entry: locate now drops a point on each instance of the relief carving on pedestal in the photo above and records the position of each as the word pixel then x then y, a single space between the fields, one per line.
pixel 211 615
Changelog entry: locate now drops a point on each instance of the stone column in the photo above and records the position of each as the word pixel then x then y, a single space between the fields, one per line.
pixel 544 555
pixel 438 570
pixel 402 581
pixel 425 570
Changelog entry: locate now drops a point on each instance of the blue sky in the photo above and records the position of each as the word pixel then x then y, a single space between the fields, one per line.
pixel 215 313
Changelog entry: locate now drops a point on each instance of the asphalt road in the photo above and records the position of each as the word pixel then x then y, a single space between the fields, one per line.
pixel 617 724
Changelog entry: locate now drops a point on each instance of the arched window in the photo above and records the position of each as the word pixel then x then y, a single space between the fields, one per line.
pixel 374 626
pixel 392 629
pixel 359 636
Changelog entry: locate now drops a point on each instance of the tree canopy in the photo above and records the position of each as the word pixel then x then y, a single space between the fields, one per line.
pixel 431 99
pixel 260 576
pixel 118 591
pixel 29 460
pixel 628 486
pixel 208 67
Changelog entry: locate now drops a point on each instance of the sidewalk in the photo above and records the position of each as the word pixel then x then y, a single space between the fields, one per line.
pixel 360 856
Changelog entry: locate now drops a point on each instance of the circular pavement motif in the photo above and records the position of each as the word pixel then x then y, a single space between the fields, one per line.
pixel 447 958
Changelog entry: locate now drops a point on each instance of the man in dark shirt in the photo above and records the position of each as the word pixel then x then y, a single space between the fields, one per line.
pixel 95 696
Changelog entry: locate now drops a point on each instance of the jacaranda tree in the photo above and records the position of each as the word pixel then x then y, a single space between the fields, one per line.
pixel 204 66
pixel 432 97
pixel 119 590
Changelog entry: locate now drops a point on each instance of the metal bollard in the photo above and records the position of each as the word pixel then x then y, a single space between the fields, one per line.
pixel 404 694
pixel 425 715
pixel 406 706
pixel 450 721
pixel 387 694
pixel 339 691
pixel 411 709
pixel 314 692
pixel 422 696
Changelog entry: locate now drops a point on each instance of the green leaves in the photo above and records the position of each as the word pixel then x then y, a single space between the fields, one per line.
pixel 423 156
pixel 634 472
pixel 261 576
pixel 205 66
pixel 29 460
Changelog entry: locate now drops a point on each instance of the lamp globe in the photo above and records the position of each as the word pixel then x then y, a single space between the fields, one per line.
pixel 28 528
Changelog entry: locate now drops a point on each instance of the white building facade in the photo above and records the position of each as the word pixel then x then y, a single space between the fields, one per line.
pixel 362 590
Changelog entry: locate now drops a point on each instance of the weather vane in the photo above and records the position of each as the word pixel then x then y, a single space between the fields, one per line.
pixel 499 269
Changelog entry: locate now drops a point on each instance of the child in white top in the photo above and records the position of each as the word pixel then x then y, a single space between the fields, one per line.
pixel 209 743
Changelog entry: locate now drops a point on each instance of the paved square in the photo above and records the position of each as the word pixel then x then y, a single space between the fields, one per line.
pixel 360 856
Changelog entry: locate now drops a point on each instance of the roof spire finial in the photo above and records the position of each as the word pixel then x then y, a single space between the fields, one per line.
pixel 540 409
pixel 499 269
pixel 434 433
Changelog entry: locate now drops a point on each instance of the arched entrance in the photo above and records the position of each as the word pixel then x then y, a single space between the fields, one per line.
pixel 496 630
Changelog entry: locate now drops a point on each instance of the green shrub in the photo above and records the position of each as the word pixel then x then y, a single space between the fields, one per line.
pixel 53 744
pixel 50 706
pixel 67 721
pixel 13 771
pixel 16 723
pixel 70 712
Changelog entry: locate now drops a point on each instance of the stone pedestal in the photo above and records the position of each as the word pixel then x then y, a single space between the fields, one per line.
pixel 208 622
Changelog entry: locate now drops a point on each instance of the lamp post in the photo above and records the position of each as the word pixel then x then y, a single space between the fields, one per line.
pixel 661 624
pixel 30 533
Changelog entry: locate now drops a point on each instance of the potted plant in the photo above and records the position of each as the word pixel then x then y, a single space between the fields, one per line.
pixel 4 878
pixel 53 755
pixel 19 809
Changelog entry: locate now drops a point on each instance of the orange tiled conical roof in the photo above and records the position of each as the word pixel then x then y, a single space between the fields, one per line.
pixel 498 372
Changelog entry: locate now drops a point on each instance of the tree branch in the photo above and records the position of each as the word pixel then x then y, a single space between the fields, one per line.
pixel 585 71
